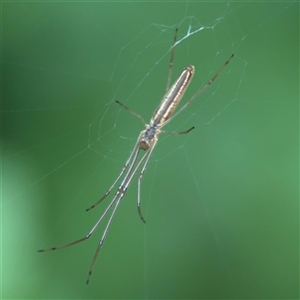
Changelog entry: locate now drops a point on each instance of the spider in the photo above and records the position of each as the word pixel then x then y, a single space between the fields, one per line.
pixel 146 142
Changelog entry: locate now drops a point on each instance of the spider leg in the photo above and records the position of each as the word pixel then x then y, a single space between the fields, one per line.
pixel 129 161
pixel 171 60
pixel 209 83
pixel 132 112
pixel 90 232
pixel 119 197
pixel 141 177
pixel 178 133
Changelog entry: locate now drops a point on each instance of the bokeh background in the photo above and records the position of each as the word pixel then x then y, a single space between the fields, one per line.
pixel 221 203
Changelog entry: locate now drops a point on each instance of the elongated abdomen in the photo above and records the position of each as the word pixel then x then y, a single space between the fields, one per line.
pixel 173 96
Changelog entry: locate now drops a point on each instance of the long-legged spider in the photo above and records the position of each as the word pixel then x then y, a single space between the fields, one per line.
pixel 146 141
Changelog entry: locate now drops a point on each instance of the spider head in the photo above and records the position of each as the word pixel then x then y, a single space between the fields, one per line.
pixel 148 137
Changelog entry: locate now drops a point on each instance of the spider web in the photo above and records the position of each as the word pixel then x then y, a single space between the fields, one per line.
pixel 220 203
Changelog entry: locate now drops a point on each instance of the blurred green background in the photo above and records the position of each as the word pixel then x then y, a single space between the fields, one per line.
pixel 221 203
